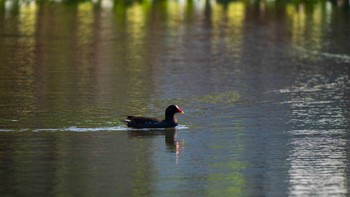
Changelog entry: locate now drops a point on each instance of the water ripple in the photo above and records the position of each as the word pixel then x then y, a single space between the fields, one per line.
pixel 82 129
pixel 318 162
pixel 339 57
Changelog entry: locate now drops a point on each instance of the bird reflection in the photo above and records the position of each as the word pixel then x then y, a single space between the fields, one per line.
pixel 170 134
pixel 173 145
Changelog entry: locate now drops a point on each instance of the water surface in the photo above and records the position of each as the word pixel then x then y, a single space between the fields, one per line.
pixel 264 85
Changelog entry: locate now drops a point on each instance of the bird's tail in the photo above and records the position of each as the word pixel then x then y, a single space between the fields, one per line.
pixel 128 119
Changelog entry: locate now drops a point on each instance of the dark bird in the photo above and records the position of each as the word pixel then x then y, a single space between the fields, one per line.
pixel 145 122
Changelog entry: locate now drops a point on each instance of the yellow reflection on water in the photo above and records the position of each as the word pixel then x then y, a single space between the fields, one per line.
pixel 85 41
pixel 136 48
pixel 85 17
pixel 175 13
pixel 85 31
pixel 321 17
pixel 27 17
pixel 24 62
pixel 317 19
pixel 236 17
pixel 136 22
pixel 297 16
pixel 308 21
pixel 136 15
pixel 228 24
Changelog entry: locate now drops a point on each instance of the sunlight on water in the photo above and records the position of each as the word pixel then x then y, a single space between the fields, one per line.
pixel 318 153
pixel 318 102
pixel 318 163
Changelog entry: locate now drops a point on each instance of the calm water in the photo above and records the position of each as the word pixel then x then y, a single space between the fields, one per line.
pixel 264 85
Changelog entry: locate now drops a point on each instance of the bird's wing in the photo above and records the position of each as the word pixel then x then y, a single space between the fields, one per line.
pixel 139 119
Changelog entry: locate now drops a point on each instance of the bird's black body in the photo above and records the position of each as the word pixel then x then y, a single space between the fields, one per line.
pixel 145 122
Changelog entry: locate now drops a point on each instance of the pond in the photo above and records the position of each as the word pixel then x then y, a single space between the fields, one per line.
pixel 264 86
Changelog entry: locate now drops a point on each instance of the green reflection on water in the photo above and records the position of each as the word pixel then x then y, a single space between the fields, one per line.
pixel 228 98
pixel 231 181
pixel 228 178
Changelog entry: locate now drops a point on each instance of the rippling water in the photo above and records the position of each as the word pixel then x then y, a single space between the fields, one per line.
pixel 264 85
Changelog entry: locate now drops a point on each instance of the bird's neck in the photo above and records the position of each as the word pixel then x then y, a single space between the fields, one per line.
pixel 170 117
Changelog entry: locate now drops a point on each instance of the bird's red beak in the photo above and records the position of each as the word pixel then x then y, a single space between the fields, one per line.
pixel 179 110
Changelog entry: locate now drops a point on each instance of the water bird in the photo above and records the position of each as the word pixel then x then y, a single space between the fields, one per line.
pixel 170 121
